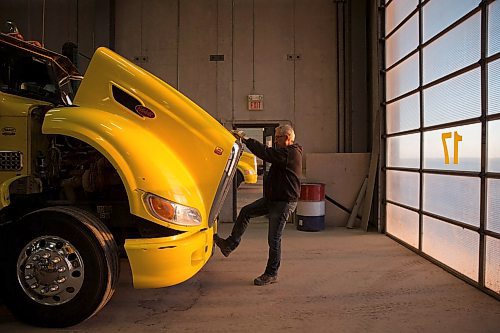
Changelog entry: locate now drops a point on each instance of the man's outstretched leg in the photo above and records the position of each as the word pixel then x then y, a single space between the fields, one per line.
pixel 256 208
pixel 223 245
pixel 279 212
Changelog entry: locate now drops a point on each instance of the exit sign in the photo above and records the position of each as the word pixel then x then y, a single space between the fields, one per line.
pixel 255 102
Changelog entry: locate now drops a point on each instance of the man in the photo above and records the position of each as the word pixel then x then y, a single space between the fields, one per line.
pixel 281 191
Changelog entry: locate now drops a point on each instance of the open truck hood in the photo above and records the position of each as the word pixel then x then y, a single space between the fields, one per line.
pixel 159 141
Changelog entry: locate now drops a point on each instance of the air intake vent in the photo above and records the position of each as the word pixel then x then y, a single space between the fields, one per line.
pixel 125 99
pixel 11 160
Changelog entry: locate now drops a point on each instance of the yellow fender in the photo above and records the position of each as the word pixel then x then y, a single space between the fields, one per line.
pixel 143 161
pixel 179 153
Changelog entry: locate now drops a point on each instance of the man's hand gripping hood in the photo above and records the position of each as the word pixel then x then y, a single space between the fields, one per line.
pixel 168 146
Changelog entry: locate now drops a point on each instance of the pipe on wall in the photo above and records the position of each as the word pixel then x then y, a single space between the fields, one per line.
pixel 43 23
pixel 343 139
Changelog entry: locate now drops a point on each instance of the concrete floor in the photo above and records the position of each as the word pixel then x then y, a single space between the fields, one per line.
pixel 337 280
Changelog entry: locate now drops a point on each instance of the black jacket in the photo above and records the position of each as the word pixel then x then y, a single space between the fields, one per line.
pixel 283 181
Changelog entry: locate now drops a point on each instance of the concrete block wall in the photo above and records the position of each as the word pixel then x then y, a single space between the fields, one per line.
pixel 177 37
pixel 343 175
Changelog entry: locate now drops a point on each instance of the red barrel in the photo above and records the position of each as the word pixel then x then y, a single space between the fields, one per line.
pixel 311 207
pixel 312 192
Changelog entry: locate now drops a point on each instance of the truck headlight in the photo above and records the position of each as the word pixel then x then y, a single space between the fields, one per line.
pixel 169 211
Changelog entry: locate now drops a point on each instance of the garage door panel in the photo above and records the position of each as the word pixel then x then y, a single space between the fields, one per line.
pixel 402 42
pixel 456 99
pixel 457 49
pixel 403 224
pixel 404 114
pixel 443 129
pixel 404 151
pixel 453 148
pixel 493 162
pixel 454 197
pixel 494 87
pixel 396 13
pixel 492 271
pixel 440 14
pixel 403 78
pixel 493 28
pixel 403 187
pixel 454 246
pixel 493 205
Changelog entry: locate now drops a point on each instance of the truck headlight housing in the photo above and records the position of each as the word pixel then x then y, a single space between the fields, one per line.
pixel 173 212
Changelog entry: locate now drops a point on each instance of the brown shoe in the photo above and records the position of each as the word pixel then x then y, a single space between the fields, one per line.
pixel 223 245
pixel 265 279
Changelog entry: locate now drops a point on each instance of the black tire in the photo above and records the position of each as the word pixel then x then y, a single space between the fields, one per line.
pixel 239 178
pixel 88 254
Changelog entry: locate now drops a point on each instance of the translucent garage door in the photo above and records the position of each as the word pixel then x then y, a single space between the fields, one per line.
pixel 442 126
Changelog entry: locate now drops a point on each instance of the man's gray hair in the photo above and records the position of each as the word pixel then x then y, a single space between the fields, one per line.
pixel 286 130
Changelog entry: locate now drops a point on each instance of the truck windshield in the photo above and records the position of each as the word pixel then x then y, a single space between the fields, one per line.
pixel 26 74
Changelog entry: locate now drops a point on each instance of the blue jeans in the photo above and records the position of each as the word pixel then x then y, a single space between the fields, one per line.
pixel 278 212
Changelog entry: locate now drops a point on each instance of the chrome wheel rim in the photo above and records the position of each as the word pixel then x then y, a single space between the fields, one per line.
pixel 50 270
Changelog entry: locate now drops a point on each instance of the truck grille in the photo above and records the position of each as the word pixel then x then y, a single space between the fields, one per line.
pixel 11 160
pixel 225 182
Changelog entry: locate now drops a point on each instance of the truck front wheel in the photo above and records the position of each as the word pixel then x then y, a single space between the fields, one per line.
pixel 62 267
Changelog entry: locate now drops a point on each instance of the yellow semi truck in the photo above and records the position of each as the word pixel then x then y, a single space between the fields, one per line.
pixel 89 165
pixel 247 169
